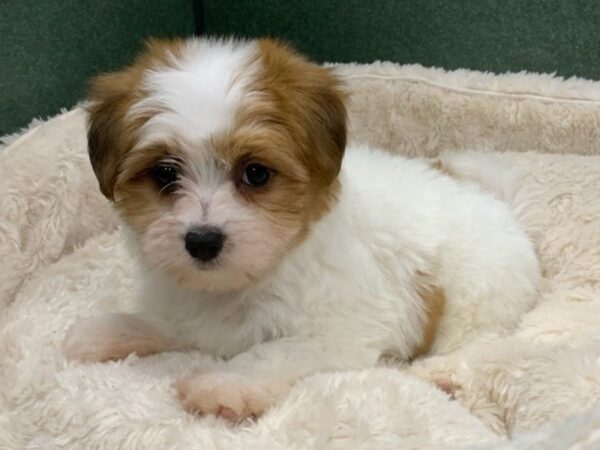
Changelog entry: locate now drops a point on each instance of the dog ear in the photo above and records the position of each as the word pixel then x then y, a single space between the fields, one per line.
pixel 110 97
pixel 316 100
pixel 327 122
pixel 110 134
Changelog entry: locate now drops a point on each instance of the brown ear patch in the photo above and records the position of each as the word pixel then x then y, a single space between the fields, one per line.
pixel 310 101
pixel 111 96
pixel 110 134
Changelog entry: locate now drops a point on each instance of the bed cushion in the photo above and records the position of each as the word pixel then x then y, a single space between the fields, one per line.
pixel 62 257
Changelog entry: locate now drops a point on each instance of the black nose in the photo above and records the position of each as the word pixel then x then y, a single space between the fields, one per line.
pixel 204 243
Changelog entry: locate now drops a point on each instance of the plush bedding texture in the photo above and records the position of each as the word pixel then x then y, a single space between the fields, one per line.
pixel 62 257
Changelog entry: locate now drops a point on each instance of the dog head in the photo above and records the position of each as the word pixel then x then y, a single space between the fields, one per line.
pixel 218 154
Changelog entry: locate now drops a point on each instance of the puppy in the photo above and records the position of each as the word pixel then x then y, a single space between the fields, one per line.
pixel 267 243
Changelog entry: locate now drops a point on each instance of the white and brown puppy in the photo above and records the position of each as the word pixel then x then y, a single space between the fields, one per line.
pixel 261 243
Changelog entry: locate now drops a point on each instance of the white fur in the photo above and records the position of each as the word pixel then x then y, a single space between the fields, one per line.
pixel 61 259
pixel 198 95
pixel 353 279
pixel 207 197
pixel 347 295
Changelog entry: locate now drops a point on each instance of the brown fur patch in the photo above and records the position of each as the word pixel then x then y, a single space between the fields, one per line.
pixel 434 302
pixel 110 135
pixel 295 124
pixel 310 102
pixel 139 198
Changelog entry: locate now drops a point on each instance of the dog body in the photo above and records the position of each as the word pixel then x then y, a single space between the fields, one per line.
pixel 400 236
pixel 271 251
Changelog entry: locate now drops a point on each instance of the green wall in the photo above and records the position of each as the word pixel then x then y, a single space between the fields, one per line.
pixel 560 36
pixel 51 47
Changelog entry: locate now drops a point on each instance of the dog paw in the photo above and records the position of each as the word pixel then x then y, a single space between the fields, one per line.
pixel 228 395
pixel 445 382
pixel 434 371
pixel 111 337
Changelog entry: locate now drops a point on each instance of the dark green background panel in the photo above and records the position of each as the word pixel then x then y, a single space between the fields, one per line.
pixel 51 47
pixel 560 36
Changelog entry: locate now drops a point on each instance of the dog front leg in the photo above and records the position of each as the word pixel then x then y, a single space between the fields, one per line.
pixel 251 382
pixel 113 336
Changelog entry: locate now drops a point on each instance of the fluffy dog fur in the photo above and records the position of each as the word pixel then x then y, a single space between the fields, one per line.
pixel 335 262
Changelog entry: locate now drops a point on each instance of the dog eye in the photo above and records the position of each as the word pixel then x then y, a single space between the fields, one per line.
pixel 255 175
pixel 165 175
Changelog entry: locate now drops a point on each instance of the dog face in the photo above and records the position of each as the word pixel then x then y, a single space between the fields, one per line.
pixel 219 155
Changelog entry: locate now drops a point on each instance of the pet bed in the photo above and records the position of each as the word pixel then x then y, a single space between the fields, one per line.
pixel 62 257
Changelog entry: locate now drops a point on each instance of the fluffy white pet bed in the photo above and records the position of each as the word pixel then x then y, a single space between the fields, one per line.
pixel 62 257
